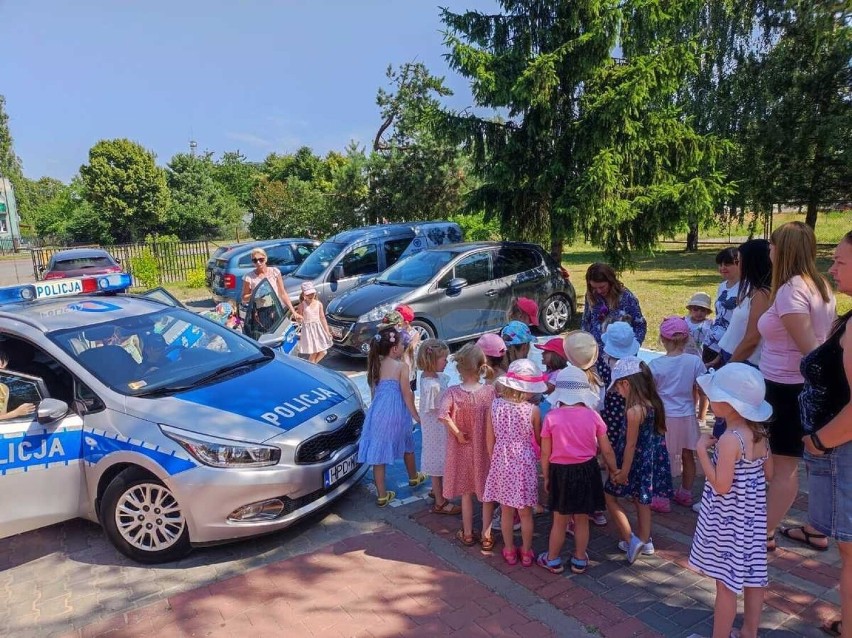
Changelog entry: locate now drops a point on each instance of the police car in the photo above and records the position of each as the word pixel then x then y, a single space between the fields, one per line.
pixel 163 426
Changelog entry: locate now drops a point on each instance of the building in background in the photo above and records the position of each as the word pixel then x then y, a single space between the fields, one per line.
pixel 10 223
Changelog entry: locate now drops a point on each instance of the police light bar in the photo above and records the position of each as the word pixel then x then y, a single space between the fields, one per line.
pixel 65 287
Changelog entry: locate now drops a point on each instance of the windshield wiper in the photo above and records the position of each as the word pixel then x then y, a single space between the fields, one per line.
pixel 208 378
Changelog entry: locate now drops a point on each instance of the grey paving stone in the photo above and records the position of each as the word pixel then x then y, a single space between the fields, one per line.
pixel 691 616
pixel 658 623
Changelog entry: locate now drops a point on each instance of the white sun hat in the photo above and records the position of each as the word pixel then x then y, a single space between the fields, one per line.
pixel 525 376
pixel 624 368
pixel 572 387
pixel 742 387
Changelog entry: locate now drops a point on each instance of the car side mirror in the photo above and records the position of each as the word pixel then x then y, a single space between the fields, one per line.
pixel 50 410
pixel 117 260
pixel 337 273
pixel 455 286
pixel 41 268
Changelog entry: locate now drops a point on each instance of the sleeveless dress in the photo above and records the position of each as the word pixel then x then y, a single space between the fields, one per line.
pixel 466 466
pixel 644 469
pixel 730 537
pixel 513 476
pixel 387 431
pixel 314 337
pixel 434 449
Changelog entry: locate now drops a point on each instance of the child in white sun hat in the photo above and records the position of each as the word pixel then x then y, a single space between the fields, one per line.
pixel 730 538
pixel 570 437
pixel 510 427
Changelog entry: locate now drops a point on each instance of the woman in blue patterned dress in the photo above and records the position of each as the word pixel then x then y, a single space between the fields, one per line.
pixel 608 300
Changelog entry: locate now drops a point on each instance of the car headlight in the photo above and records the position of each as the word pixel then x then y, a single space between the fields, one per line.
pixel 223 452
pixel 377 313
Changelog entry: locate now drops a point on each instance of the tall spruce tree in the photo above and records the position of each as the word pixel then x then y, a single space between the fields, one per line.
pixel 586 143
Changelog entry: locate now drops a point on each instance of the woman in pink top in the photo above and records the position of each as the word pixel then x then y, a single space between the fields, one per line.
pixel 273 275
pixel 798 320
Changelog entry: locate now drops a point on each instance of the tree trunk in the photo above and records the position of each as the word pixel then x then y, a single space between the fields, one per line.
pixel 811 215
pixel 692 237
pixel 556 248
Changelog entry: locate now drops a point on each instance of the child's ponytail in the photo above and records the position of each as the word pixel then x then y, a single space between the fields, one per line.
pixel 380 346
pixel 643 392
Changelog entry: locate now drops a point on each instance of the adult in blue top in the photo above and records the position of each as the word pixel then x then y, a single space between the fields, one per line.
pixel 608 300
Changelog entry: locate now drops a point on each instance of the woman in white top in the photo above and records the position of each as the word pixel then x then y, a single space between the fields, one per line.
pixel 742 340
pixel 263 271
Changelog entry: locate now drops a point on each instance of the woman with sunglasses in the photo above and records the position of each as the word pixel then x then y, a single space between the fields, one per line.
pixel 273 275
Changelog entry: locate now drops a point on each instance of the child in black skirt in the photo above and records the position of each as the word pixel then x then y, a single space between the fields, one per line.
pixel 570 437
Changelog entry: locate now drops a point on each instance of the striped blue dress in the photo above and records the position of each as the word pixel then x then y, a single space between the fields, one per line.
pixel 730 537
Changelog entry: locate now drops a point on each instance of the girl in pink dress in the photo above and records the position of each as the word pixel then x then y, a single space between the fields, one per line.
pixel 315 339
pixel 512 424
pixel 463 410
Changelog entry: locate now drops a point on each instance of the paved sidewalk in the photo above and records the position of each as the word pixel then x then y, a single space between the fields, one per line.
pixel 379 584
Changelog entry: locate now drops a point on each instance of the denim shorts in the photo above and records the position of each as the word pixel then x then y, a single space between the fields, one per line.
pixel 830 492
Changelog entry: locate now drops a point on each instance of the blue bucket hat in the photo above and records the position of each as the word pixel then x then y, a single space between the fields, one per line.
pixel 619 340
pixel 515 333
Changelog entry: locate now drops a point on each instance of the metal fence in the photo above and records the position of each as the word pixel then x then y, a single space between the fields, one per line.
pixel 174 259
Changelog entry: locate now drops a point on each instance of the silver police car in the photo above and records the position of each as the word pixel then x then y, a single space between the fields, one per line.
pixel 163 426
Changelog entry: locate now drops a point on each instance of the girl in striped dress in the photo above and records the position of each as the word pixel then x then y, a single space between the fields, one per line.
pixel 730 537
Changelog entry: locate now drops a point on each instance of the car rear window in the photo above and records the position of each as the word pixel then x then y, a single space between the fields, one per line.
pixel 82 262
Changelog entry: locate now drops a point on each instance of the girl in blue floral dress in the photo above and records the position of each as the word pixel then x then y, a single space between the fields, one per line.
pixel 636 451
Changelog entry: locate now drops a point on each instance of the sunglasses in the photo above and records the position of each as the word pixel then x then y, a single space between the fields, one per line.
pixel 258 260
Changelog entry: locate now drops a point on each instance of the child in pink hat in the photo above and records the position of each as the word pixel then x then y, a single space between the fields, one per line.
pixel 675 375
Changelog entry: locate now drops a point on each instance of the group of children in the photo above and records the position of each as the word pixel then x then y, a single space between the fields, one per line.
pixel 487 436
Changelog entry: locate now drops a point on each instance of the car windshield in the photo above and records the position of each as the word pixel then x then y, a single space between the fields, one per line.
pixel 81 263
pixel 318 261
pixel 416 269
pixel 169 350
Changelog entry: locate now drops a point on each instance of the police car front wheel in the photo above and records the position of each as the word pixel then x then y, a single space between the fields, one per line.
pixel 143 519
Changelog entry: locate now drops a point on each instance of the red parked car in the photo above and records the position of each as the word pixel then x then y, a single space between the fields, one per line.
pixel 79 262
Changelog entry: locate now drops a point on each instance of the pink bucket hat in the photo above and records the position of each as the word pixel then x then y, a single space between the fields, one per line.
pixel 492 345
pixel 673 326
pixel 308 288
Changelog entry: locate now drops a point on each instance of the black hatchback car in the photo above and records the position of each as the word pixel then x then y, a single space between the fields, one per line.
pixel 457 292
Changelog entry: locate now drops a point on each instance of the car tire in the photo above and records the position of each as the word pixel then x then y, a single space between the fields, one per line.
pixel 426 331
pixel 555 315
pixel 145 537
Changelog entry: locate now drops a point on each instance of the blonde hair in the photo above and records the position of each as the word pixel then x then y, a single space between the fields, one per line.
pixel 675 343
pixel 513 395
pixel 259 251
pixel 429 352
pixel 795 254
pixel 470 360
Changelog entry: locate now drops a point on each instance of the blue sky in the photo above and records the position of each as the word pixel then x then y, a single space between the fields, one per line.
pixel 253 75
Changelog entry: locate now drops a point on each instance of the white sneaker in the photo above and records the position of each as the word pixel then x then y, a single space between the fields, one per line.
pixel 696 507
pixel 647 548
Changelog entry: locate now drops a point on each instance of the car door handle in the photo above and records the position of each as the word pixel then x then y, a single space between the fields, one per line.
pixel 491 292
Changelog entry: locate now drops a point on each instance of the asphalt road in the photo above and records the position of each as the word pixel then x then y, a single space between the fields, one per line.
pixel 16 270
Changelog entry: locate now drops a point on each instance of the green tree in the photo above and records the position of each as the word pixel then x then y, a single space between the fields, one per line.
pixel 126 188
pixel 200 206
pixel 413 174
pixel 347 196
pixel 10 163
pixel 590 144
pixel 294 208
pixel 237 175
pixel 67 217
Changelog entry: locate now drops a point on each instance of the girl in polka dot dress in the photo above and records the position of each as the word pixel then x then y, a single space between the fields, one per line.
pixel 511 425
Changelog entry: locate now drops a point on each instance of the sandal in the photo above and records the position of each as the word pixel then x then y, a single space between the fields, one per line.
pixel 382 501
pixel 579 565
pixel 771 546
pixel 447 509
pixel 419 479
pixel 833 628
pixel 467 541
pixel 807 538
pixel 510 555
pixel 487 544
pixel 554 566
pixel 431 495
pixel 527 558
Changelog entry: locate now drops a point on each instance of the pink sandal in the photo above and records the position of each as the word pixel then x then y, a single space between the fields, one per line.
pixel 527 558
pixel 510 555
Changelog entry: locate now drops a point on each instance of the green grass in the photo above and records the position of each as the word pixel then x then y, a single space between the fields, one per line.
pixel 665 280
pixel 830 227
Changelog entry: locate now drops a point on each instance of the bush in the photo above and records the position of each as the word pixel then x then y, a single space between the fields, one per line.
pixel 146 269
pixel 196 278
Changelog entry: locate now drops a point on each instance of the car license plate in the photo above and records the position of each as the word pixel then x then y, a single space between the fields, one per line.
pixel 336 332
pixel 340 471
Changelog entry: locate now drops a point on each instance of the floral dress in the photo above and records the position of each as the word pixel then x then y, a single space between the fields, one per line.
pixel 597 313
pixel 643 470
pixel 466 465
pixel 513 477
